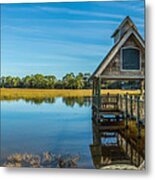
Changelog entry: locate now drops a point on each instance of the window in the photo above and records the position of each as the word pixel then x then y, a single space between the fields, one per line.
pixel 130 59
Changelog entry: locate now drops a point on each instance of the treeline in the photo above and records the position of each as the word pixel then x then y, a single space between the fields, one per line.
pixel 69 81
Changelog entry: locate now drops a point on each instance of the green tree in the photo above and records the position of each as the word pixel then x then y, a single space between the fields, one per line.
pixel 9 82
pixel 79 81
pixel 68 81
pixel 16 81
pixel 50 81
pixel 2 81
pixel 59 85
pixel 26 82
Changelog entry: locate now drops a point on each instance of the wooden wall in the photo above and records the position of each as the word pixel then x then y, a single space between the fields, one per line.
pixel 114 67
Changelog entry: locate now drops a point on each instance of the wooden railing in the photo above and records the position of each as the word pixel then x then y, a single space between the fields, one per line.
pixel 132 106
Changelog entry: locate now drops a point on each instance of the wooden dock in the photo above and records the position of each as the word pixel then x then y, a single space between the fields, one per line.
pixel 111 110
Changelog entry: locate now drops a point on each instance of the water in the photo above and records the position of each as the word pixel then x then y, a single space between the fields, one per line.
pixel 64 126
pixel 60 125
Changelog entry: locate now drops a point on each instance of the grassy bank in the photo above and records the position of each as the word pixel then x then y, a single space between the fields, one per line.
pixel 50 93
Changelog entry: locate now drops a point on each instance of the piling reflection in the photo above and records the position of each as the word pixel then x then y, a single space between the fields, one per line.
pixel 115 149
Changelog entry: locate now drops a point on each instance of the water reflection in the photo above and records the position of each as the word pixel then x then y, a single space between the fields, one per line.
pixel 59 128
pixel 82 101
pixel 115 148
pixel 40 101
pixel 55 125
pixel 69 101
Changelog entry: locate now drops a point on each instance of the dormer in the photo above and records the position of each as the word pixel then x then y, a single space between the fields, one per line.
pixel 123 28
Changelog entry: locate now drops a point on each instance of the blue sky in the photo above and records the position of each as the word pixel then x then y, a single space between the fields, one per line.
pixel 58 38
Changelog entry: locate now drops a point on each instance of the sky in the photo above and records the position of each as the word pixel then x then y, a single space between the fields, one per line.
pixel 59 38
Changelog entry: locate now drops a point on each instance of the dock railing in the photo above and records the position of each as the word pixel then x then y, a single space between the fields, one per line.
pixel 131 106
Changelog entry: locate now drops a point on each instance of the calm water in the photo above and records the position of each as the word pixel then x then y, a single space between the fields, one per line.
pixel 61 126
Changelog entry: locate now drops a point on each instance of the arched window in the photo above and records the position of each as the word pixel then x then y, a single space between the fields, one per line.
pixel 130 58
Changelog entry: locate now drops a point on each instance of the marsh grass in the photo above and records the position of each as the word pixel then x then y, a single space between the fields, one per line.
pixel 15 94
pixel 132 133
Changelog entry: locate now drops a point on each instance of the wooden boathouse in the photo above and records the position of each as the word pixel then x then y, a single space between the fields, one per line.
pixel 112 113
pixel 126 59
pixel 124 62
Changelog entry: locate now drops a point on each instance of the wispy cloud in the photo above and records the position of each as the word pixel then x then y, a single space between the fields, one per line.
pixel 79 12
pixel 59 10
pixel 59 49
pixel 65 20
pixel 32 29
pixel 42 38
pixel 133 5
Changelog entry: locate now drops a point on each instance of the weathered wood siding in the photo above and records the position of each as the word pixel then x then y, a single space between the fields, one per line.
pixel 114 67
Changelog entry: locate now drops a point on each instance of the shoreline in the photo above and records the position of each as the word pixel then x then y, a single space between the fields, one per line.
pixel 18 93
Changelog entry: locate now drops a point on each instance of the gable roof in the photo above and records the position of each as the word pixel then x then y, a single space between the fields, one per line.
pixel 115 49
pixel 126 20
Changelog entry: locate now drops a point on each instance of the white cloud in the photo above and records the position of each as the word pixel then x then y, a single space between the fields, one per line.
pixel 78 12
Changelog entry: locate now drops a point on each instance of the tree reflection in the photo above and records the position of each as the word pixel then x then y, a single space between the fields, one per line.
pixel 81 101
pixel 40 100
pixel 69 101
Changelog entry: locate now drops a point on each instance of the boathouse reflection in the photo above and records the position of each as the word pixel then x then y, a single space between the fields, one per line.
pixel 113 146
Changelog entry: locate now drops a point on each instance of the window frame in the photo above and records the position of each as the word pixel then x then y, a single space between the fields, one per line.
pixel 132 70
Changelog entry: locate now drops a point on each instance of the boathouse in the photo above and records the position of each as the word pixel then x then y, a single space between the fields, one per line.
pixel 113 114
pixel 125 61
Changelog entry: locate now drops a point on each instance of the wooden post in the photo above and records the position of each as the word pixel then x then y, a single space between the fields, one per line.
pixel 93 88
pixel 131 106
pixel 138 117
pixel 121 102
pixel 126 111
pixel 95 92
pixel 99 92
pixel 97 99
pixel 96 135
pixel 93 101
pixel 142 87
pixel 117 99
